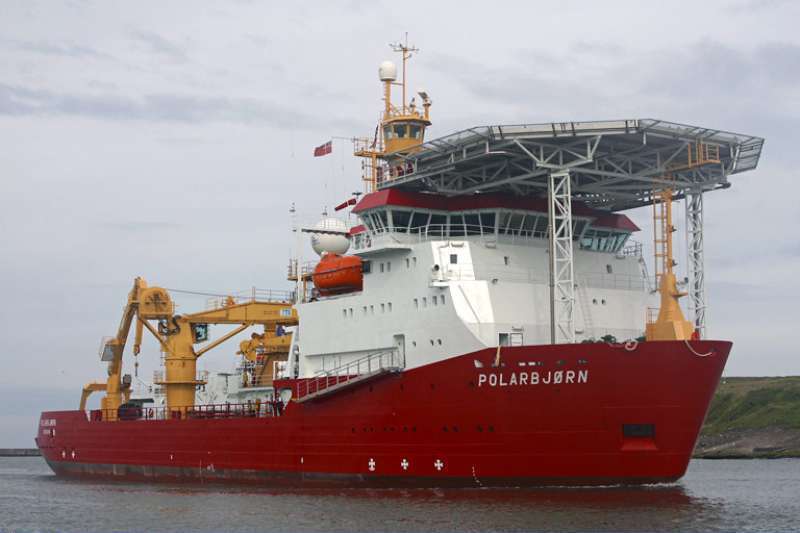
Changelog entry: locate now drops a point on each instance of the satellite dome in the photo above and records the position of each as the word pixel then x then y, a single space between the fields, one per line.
pixel 330 243
pixel 387 71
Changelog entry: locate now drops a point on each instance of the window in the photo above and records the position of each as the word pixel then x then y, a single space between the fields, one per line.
pixel 439 341
pixel 506 260
pixel 609 269
pixel 487 222
pixel 408 262
pixel 456 225
pixel 387 133
pixel 441 298
pixel 389 266
pixel 389 305
pixel 350 312
pixel 453 259
pixel 473 224
pixel 383 308
pixel 419 221
pixel 416 303
pixel 415 132
pixel 366 267
pixel 424 301
pixel 435 300
pixel 344 312
pixel 414 260
pixel 437 225
pixel 502 339
pixel 364 310
pixel 401 220
pixel 400 131
pixel 382 267
pixel 372 309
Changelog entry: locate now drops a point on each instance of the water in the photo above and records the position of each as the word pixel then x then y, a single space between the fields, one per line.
pixel 744 495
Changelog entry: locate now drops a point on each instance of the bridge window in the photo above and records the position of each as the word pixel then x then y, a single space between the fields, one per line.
pixel 598 240
pixel 437 225
pixel 401 220
pixel 400 131
pixel 456 225
pixel 419 221
pixel 487 222
pixel 387 133
pixel 473 224
pixel 453 259
pixel 415 132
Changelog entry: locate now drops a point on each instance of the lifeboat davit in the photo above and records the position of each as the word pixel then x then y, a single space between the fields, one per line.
pixel 338 274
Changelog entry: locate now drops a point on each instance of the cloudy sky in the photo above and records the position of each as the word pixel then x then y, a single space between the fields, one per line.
pixel 169 139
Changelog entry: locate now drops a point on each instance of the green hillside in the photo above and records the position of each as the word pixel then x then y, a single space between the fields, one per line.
pixel 754 403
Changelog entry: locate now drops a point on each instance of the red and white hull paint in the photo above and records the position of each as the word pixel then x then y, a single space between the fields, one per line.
pixel 547 415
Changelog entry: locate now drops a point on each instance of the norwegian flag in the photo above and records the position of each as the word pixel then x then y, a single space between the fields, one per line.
pixel 351 201
pixel 323 149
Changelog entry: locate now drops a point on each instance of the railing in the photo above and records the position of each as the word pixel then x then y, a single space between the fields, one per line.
pixel 248 296
pixel 306 270
pixel 634 249
pixel 255 409
pixel 358 369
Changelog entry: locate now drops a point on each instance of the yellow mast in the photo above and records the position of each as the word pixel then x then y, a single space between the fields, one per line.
pixel 671 323
pixel 400 131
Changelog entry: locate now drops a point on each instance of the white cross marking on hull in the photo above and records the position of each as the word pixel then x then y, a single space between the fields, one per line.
pixel 371 464
pixel 404 464
pixel 438 464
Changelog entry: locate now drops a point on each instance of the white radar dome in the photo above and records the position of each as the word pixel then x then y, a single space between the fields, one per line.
pixel 387 71
pixel 332 243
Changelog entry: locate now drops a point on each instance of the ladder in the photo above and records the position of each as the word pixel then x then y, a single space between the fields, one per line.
pixel 369 367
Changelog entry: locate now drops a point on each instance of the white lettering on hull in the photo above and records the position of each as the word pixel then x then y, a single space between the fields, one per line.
pixel 515 379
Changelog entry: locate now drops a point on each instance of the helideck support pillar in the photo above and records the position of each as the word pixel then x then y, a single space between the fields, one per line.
pixel 562 277
pixel 694 242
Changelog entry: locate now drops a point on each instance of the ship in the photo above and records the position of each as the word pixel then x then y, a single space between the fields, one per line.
pixel 490 320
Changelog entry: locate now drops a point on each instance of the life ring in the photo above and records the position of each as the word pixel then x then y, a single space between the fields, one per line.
pixel 631 345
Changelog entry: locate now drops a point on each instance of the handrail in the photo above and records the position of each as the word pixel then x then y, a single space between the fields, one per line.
pixel 368 365
pixel 256 409
pixel 248 296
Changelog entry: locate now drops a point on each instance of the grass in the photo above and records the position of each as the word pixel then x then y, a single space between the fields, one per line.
pixel 754 403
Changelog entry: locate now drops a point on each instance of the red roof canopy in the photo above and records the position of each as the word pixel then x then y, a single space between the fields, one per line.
pixel 401 198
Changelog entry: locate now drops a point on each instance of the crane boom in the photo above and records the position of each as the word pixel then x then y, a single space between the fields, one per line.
pixel 177 335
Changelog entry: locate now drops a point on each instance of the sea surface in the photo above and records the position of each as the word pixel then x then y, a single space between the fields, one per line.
pixel 740 495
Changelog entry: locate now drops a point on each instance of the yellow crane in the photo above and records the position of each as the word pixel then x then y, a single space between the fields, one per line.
pixel 177 335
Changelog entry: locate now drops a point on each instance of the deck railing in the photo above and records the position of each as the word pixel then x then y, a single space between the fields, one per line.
pixel 364 367
pixel 256 409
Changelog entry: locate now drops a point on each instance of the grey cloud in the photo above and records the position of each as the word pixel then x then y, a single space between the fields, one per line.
pixel 161 46
pixel 20 101
pixel 142 226
pixel 56 49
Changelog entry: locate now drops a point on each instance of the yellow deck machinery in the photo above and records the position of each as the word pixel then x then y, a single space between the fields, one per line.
pixel 178 335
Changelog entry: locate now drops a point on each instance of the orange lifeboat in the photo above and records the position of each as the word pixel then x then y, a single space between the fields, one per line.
pixel 338 274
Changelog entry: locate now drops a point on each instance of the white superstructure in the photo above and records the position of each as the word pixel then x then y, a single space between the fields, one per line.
pixel 439 284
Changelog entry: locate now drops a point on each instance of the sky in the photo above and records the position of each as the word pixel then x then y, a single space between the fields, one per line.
pixel 169 139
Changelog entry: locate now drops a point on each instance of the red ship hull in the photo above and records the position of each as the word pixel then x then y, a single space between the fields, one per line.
pixel 583 414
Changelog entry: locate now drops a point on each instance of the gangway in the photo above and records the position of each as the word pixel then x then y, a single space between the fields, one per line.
pixel 366 368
